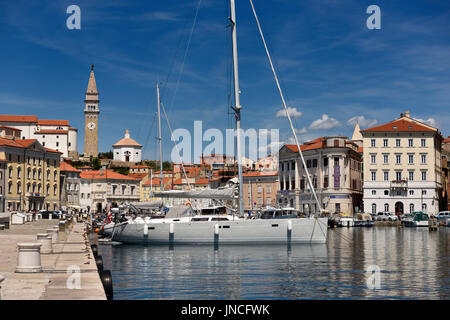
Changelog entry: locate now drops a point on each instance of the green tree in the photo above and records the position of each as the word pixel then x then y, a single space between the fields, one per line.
pixel 96 164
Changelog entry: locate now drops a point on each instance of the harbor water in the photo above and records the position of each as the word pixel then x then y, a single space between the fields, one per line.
pixel 414 263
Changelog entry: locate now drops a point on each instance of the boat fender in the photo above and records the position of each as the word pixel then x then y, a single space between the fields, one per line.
pixel 99 262
pixel 171 228
pixel 145 230
pixel 216 229
pixel 289 225
pixel 94 250
pixel 106 278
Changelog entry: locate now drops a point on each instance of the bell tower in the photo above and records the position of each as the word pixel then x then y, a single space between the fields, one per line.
pixel 91 112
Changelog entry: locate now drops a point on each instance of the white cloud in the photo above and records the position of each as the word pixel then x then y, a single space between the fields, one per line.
pixel 324 123
pixel 430 121
pixel 293 112
pixel 361 121
pixel 302 130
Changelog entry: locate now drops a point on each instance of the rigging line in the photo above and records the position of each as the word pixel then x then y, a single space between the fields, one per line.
pixel 284 105
pixel 149 133
pixel 164 84
pixel 185 55
pixel 178 152
pixel 144 120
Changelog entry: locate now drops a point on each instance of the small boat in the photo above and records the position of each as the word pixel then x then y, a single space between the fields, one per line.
pixel 448 222
pixel 346 221
pixel 363 220
pixel 420 219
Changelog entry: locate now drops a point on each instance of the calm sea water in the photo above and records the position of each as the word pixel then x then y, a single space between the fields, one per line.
pixel 414 264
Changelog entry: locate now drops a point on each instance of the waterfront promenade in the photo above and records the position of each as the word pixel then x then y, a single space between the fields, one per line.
pixel 51 284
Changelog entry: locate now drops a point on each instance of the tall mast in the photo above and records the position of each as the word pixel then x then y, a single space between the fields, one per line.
pixel 237 104
pixel 160 138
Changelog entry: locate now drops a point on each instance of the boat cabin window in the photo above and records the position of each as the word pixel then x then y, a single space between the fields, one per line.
pixel 199 219
pixel 219 219
pixel 209 211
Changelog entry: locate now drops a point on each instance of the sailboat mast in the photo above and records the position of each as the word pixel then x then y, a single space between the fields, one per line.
pixel 237 107
pixel 160 138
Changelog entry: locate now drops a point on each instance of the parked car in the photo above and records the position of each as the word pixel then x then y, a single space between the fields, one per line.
pixel 443 215
pixel 46 214
pixel 386 216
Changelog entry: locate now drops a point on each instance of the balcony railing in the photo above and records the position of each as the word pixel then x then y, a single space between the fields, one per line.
pixel 399 184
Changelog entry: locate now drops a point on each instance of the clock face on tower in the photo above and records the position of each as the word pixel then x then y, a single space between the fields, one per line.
pixel 91 125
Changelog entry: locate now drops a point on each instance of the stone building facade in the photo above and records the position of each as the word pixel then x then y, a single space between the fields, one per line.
pixel 70 187
pixel 31 177
pixel 91 114
pixel 334 165
pixel 402 167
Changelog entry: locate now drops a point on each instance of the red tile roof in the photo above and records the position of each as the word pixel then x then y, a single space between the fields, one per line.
pixel 44 122
pixel 400 125
pixel 14 118
pixel 23 143
pixel 64 166
pixel 106 174
pixel 157 182
pixel 71 128
pixel 311 145
pixel 51 150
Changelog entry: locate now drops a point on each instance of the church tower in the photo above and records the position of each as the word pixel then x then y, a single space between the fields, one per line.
pixel 91 112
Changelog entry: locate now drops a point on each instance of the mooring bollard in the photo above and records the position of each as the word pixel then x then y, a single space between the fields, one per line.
pixel 62 231
pixel 29 258
pixel 46 241
pixel 54 234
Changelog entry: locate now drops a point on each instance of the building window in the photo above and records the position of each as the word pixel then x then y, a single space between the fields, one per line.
pixel 424 176
pixel 374 192
pixel 374 175
pixel 54 189
pixel 386 192
pixel 57 144
pixel 386 207
pixel 410 158
pixel 372 143
pixel 308 163
pixel 385 159
pixel 398 159
pixel 385 143
pixel 386 175
pixel 293 165
pixel 259 189
pixel 411 175
pixel 374 208
pixel 411 208
pixel 411 192
pixel 410 143
pixel 19 170
pixel 325 162
pixel 55 173
pixel 325 182
pixel 424 158
pixel 19 188
pixel 269 189
pixel 424 192
pixel 314 163
pixel 397 142
pixel 372 158
pixel 398 175
pixel 423 143
pixel 424 207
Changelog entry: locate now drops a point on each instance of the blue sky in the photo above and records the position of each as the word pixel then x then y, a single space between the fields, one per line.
pixel 334 70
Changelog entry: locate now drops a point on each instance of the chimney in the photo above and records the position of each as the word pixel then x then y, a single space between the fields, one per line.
pixel 407 114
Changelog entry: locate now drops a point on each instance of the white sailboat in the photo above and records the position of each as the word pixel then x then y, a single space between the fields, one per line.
pixel 224 228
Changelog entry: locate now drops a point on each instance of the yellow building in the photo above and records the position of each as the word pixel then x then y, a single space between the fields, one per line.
pixel 402 167
pixel 154 185
pixel 31 175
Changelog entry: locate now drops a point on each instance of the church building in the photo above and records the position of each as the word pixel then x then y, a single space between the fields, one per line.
pixel 91 113
pixel 127 149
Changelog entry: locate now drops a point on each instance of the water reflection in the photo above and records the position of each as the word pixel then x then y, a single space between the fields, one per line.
pixel 414 264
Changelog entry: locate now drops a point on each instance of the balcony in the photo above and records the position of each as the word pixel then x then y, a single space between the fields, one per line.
pixel 399 184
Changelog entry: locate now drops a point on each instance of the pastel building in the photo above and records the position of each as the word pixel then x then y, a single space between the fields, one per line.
pixel 54 134
pixel 334 166
pixel 402 167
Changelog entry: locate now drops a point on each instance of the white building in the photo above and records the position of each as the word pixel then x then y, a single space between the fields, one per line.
pixel 54 134
pixel 100 188
pixel 402 167
pixel 127 150
pixel 334 166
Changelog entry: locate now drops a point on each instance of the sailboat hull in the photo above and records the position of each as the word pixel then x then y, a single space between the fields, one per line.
pixel 271 231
